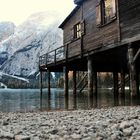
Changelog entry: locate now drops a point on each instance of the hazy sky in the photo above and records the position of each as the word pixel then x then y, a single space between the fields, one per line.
pixel 17 11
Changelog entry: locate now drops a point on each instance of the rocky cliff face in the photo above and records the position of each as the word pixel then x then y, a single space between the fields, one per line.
pixel 6 30
pixel 36 36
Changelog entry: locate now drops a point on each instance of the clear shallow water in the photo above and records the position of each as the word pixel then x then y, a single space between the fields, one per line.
pixel 24 100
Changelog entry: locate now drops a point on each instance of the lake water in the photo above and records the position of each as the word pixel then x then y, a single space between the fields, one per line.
pixel 24 100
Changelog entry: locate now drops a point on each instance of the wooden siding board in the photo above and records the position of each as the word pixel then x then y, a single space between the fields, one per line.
pixel 129 18
pixel 74 48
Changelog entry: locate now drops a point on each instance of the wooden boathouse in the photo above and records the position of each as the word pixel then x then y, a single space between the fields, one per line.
pixel 99 36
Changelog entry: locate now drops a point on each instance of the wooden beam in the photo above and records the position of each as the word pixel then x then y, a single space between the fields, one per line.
pixel 136 55
pixel 137 82
pixel 49 84
pixel 122 84
pixel 132 72
pixel 74 82
pixel 41 87
pixel 95 86
pixel 65 80
pixel 90 76
pixel 116 87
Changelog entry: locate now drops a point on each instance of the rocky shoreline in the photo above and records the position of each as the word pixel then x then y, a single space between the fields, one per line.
pixel 108 123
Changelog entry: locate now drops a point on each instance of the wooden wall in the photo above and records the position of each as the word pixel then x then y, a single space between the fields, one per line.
pixel 97 36
pixel 94 36
pixel 129 18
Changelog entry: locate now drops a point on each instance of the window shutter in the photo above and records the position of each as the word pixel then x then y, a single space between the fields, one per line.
pixel 82 27
pixel 98 15
pixel 113 8
pixel 72 33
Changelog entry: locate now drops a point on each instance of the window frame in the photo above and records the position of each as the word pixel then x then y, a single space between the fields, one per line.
pixel 77 30
pixel 101 19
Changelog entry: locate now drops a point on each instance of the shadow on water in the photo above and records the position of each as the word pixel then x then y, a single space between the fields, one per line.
pixel 24 100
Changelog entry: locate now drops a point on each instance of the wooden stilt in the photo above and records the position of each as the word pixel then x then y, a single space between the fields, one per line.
pixel 65 80
pixel 66 102
pixel 115 78
pixel 95 84
pixel 74 82
pixel 137 82
pixel 41 88
pixel 122 84
pixel 90 76
pixel 49 79
pixel 132 72
pixel 74 101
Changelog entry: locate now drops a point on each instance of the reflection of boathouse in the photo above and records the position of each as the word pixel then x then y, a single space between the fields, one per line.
pixel 99 36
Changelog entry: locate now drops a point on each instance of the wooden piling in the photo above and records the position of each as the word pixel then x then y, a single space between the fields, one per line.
pixel 49 84
pixel 132 72
pixel 95 86
pixel 41 88
pixel 74 82
pixel 90 76
pixel 65 80
pixel 137 82
pixel 116 87
pixel 122 84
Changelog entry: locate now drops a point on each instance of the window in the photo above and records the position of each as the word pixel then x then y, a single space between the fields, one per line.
pixel 105 11
pixel 78 30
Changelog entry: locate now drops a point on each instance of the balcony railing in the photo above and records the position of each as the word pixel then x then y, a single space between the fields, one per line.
pixel 52 57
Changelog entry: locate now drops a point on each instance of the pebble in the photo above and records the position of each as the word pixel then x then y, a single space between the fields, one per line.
pixel 128 131
pixel 124 124
pixel 105 123
pixel 22 137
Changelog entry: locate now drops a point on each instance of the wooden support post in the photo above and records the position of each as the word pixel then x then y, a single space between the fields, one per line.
pixel 49 84
pixel 116 93
pixel 115 78
pixel 122 84
pixel 132 72
pixel 95 86
pixel 90 76
pixel 65 80
pixel 74 82
pixel 137 82
pixel 41 88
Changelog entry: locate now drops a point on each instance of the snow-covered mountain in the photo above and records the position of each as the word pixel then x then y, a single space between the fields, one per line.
pixel 36 36
pixel 6 30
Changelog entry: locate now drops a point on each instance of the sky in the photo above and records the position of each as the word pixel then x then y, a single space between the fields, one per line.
pixel 17 11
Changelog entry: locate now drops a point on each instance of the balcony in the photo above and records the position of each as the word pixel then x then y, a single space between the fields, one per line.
pixel 52 57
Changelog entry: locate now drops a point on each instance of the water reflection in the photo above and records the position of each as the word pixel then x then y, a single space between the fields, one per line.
pixel 25 100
